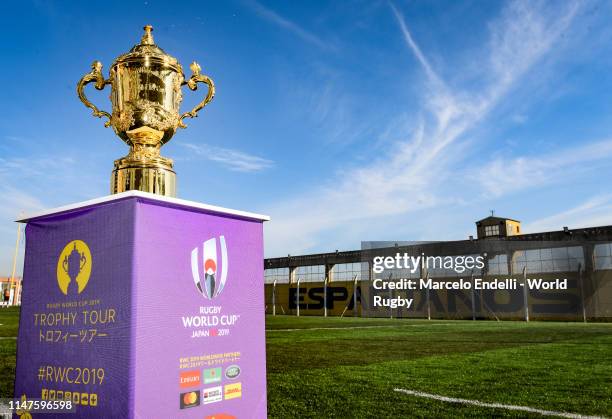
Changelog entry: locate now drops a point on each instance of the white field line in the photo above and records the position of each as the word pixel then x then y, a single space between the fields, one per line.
pixel 355 327
pixel 5 411
pixel 495 405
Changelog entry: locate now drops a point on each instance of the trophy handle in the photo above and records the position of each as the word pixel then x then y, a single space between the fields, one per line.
pixel 65 264
pixel 192 83
pixel 94 75
pixel 82 262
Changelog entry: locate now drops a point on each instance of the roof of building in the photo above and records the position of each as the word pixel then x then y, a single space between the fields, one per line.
pixel 530 240
pixel 495 218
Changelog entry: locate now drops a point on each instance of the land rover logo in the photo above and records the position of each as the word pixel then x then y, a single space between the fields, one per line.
pixel 232 371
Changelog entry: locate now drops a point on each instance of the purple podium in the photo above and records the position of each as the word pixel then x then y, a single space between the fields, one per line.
pixel 137 305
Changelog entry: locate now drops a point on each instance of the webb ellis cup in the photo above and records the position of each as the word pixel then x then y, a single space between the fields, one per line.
pixel 146 96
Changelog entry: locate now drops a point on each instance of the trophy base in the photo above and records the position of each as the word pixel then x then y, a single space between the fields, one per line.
pixel 157 180
pixel 143 169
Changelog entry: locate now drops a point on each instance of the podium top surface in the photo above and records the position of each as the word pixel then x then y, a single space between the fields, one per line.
pixel 148 197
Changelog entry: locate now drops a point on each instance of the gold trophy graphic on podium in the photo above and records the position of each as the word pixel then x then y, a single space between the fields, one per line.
pixel 146 96
pixel 74 268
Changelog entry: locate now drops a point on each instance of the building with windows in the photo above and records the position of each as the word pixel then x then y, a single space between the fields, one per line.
pixel 338 283
pixel 497 227
pixel 10 291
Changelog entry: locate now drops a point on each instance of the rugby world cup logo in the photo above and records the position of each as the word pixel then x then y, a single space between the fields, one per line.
pixel 210 272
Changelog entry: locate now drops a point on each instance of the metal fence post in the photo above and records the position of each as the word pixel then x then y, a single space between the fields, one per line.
pixel 525 299
pixel 473 298
pixel 427 297
pixel 355 296
pixel 297 297
pixel 325 296
pixel 581 280
pixel 274 298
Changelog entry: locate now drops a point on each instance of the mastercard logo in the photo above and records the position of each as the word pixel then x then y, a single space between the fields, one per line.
pixel 189 399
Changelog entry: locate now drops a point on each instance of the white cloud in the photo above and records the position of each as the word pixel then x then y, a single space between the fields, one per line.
pixel 278 20
pixel 15 203
pixel 33 166
pixel 507 175
pixel 531 28
pixel 413 175
pixel 597 211
pixel 17 176
pixel 25 189
pixel 235 160
pixel 431 74
pixel 332 110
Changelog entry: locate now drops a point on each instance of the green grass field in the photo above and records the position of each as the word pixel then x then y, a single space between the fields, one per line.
pixel 9 323
pixel 333 367
pixel 345 372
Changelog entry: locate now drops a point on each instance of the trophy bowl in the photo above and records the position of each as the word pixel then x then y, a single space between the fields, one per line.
pixel 145 96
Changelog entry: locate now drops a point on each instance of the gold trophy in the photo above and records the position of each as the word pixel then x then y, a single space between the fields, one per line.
pixel 146 96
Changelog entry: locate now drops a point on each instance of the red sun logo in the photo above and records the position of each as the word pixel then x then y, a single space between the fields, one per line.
pixel 210 267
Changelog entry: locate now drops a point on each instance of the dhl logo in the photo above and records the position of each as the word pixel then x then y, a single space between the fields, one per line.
pixel 233 391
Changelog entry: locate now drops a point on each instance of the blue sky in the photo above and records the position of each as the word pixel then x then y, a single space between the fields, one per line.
pixel 344 121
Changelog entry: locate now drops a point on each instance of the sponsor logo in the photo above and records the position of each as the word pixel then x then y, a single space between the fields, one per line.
pixel 210 273
pixel 220 416
pixel 190 399
pixel 189 379
pixel 233 371
pixel 212 395
pixel 74 267
pixel 212 375
pixel 233 391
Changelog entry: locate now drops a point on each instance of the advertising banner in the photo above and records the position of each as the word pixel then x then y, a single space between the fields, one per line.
pixel 142 308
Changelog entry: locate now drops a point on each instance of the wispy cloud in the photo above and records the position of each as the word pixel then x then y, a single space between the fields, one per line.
pixel 413 45
pixel 33 166
pixel 15 203
pixel 280 21
pixel 235 160
pixel 30 184
pixel 596 211
pixel 332 109
pixel 17 174
pixel 416 173
pixel 508 175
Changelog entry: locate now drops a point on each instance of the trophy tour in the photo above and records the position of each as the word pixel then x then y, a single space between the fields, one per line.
pixel 140 304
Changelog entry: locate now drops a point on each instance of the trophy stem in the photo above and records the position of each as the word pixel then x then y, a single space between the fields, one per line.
pixel 144 169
